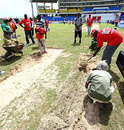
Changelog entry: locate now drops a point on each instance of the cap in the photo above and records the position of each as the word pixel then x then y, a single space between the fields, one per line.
pixel 10 18
pixel 92 32
pixel 37 28
pixel 89 14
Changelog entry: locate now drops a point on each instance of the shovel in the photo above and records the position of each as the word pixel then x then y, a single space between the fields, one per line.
pixel 85 63
pixel 98 51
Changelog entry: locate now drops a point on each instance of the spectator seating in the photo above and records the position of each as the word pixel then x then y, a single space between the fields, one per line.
pixel 62 11
pixel 79 10
pixel 72 10
pixel 123 8
pixel 100 9
pixel 50 18
pixel 58 18
pixel 115 8
pixel 50 10
pixel 41 10
pixel 87 9
pixel 70 18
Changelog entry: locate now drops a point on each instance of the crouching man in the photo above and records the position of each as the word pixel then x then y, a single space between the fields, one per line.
pixel 40 32
pixel 99 85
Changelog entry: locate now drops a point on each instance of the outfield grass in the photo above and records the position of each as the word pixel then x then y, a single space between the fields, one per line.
pixel 62 36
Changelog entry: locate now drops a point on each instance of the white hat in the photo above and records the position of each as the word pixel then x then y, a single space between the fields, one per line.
pixel 102 65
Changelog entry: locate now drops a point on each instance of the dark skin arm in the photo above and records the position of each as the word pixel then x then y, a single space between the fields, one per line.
pixel 97 50
pixel 86 85
pixel 45 36
pixel 22 26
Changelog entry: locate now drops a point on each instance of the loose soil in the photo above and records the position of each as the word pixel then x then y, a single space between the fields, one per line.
pixel 26 88
pixel 23 75
pixel 33 98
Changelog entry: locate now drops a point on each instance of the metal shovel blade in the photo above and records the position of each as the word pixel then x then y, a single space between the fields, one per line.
pixel 90 58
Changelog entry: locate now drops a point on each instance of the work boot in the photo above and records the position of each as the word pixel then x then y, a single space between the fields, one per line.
pixel 80 41
pixel 75 41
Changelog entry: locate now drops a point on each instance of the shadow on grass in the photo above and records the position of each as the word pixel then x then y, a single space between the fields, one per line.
pixel 4 62
pixel 76 44
pixel 35 56
pixel 35 48
pixel 115 77
pixel 105 114
pixel 120 85
pixel 94 114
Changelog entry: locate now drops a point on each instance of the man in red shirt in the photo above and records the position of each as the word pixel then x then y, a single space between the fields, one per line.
pixel 113 39
pixel 27 27
pixel 40 32
pixel 89 24
pixel 47 24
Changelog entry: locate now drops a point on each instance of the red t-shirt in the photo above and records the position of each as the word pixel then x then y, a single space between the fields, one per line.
pixel 26 23
pixel 109 35
pixel 89 21
pixel 40 33
pixel 46 22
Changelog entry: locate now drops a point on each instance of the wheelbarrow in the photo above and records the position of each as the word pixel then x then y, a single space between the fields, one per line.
pixel 12 51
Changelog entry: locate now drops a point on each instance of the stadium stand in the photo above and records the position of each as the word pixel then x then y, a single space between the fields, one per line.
pixel 62 11
pixel 79 10
pixel 101 9
pixel 72 10
pixel 50 18
pixel 123 8
pixel 58 18
pixel 41 11
pixel 115 8
pixel 70 18
pixel 50 10
pixel 97 8
pixel 87 9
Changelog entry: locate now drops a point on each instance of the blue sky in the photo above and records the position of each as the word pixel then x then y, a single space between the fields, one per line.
pixel 17 8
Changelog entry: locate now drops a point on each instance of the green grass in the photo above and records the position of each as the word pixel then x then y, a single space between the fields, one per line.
pixel 62 36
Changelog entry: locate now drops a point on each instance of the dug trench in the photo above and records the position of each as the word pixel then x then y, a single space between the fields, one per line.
pixel 31 99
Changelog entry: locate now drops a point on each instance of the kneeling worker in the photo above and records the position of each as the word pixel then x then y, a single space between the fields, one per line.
pixel 99 85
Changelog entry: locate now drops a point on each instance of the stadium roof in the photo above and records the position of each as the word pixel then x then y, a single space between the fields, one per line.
pixel 45 1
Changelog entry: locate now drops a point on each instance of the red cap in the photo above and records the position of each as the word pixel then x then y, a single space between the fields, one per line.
pixel 37 28
pixel 92 32
pixel 9 18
